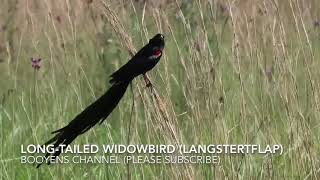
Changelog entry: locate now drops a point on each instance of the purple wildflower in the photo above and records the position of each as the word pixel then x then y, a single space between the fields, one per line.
pixel 317 23
pixel 36 63
pixel 269 73
pixel 224 8
pixel 58 18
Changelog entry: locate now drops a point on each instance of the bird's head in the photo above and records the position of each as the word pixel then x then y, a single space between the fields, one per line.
pixel 157 41
pixel 157 45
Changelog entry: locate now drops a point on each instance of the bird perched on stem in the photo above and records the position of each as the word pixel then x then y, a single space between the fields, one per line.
pixel 98 111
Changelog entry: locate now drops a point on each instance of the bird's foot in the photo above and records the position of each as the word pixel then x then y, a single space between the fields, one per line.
pixel 149 84
pixel 147 80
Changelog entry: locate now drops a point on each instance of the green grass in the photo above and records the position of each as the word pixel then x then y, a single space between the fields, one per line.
pixel 212 84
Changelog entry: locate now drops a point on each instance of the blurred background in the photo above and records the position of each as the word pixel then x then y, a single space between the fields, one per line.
pixel 233 72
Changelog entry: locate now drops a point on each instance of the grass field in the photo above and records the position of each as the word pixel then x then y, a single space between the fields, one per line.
pixel 233 72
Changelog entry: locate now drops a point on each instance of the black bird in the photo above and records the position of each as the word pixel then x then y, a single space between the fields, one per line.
pixel 99 110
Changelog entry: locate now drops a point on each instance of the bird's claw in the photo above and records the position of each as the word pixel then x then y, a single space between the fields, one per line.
pixel 147 80
pixel 148 84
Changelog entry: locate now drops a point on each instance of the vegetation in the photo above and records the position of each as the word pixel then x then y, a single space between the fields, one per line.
pixel 233 72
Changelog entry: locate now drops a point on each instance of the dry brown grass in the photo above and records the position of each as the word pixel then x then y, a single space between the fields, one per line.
pixel 233 72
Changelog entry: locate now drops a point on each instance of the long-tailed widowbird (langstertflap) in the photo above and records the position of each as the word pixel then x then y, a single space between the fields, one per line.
pixel 98 111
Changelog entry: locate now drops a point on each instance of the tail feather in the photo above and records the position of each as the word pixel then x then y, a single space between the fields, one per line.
pixel 95 113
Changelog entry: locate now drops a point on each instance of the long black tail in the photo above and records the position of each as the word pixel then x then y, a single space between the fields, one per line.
pixel 97 112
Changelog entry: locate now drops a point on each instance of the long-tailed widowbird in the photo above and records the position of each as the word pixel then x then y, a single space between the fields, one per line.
pixel 98 111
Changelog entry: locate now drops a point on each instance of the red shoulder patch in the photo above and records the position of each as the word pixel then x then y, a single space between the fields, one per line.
pixel 156 53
